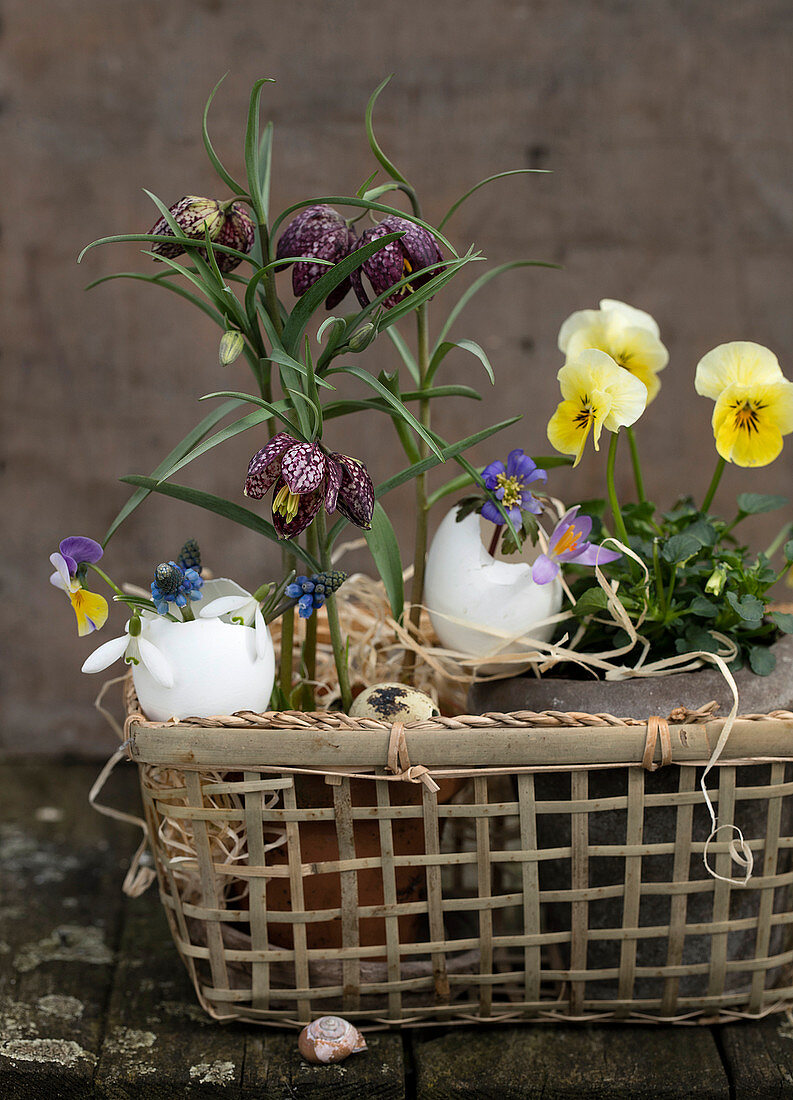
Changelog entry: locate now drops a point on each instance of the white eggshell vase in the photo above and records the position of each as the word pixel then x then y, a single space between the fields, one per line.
pixel 481 605
pixel 215 666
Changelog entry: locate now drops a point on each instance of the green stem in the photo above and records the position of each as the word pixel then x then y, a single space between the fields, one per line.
pixel 105 578
pixel 781 538
pixel 287 632
pixel 420 537
pixel 637 466
pixel 310 642
pixel 619 523
pixel 714 484
pixel 336 638
pixel 270 293
pixel 187 613
pixel 659 580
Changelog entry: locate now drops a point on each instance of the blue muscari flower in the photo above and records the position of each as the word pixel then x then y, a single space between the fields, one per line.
pixel 174 584
pixel 311 592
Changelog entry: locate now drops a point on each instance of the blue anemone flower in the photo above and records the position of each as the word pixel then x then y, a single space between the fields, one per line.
pixel 510 485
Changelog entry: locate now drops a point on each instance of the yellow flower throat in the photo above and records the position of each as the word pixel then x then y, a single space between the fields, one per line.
pixel 746 417
pixel 569 541
pixel 286 503
pixel 513 488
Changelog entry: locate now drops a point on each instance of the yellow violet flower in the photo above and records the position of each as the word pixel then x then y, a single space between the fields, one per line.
pixel 89 607
pixel 630 336
pixel 597 394
pixel 754 401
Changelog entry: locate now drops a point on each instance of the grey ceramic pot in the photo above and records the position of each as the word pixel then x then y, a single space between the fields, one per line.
pixel 640 699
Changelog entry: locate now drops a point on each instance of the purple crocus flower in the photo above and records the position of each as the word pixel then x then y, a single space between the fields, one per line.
pixel 509 484
pixel 319 232
pixel 569 543
pixel 416 250
pixel 305 477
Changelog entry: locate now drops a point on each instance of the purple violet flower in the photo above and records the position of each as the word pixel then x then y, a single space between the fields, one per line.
pixel 322 233
pixel 416 250
pixel 79 548
pixel 509 484
pixel 305 477
pixel 569 543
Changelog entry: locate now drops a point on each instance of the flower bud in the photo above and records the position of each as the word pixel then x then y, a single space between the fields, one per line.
pixel 236 231
pixel 231 345
pixel 363 337
pixel 134 625
pixel 194 215
pixel 716 581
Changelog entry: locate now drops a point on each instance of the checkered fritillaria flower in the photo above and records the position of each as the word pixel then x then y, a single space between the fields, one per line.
pixel 318 232
pixel 305 477
pixel 417 249
pixel 236 231
pixel 194 215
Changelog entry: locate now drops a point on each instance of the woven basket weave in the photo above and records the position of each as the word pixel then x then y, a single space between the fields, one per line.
pixel 507 922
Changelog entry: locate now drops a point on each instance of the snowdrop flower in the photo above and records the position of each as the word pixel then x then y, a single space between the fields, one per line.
pixel 236 606
pixel 135 649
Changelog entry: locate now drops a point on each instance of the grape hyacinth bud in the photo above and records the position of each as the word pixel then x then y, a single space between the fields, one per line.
pixel 190 556
pixel 174 584
pixel 311 592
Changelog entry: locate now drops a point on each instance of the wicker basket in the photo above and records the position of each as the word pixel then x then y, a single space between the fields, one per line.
pixel 511 915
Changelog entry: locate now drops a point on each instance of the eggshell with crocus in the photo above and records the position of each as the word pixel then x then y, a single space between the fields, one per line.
pixel 481 605
pixel 215 665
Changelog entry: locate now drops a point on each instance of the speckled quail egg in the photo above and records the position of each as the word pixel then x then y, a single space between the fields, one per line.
pixel 394 703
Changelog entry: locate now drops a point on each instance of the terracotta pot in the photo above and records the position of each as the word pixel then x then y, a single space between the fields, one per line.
pixel 318 843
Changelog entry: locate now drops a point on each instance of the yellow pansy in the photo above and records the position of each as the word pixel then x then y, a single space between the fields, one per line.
pixel 597 394
pixel 754 401
pixel 630 336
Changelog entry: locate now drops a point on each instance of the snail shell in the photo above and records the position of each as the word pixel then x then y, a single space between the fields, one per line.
pixel 393 703
pixel 330 1039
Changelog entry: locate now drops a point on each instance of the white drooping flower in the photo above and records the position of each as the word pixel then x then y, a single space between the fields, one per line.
pixel 135 649
pixel 233 604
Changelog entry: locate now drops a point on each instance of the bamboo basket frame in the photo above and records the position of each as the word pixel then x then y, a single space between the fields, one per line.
pixel 207 777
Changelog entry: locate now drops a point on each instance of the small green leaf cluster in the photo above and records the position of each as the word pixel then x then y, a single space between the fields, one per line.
pixel 703 586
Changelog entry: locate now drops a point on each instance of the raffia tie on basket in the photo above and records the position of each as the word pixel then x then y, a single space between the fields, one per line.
pixel 399 760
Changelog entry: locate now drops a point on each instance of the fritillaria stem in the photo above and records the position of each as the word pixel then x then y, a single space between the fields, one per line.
pixel 420 541
pixel 287 632
pixel 310 641
pixel 336 638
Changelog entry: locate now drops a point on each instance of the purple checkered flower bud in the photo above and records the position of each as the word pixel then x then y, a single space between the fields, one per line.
pixel 417 249
pixel 318 232
pixel 194 215
pixel 236 231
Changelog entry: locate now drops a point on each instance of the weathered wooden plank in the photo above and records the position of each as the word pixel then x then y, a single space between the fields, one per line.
pixel 159 1043
pixel 565 1063
pixel 60 904
pixel 274 1068
pixel 759 1058
pixel 191 746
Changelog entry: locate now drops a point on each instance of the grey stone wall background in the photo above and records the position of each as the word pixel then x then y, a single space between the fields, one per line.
pixel 667 126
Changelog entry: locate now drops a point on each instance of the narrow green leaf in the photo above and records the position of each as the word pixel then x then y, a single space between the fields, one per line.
pixel 282 358
pixel 394 402
pixel 454 485
pixel 233 512
pixel 159 238
pixel 182 447
pixel 498 176
pixel 316 294
pixel 451 450
pixel 443 350
pixel 410 303
pixel 442 391
pixel 265 167
pixel 216 164
pixel 252 420
pixel 405 354
pixel 275 409
pixel 377 152
pixel 384 548
pixel 366 184
pixel 477 285
pixel 252 149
